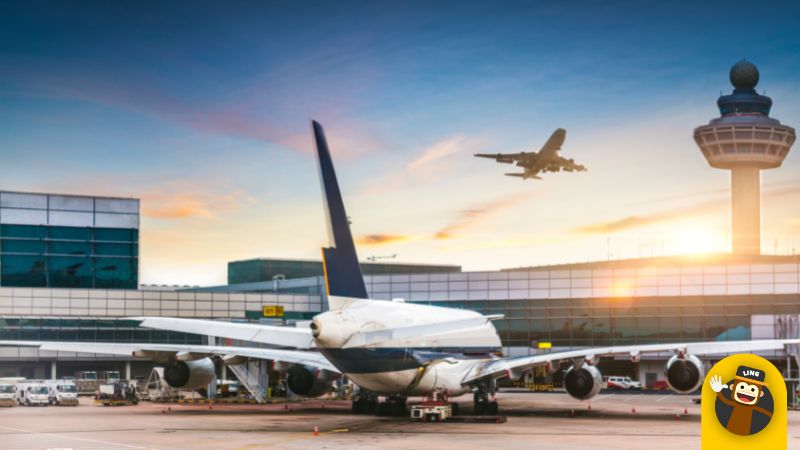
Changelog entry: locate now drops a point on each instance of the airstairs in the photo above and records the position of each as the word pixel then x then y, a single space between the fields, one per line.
pixel 788 327
pixel 251 376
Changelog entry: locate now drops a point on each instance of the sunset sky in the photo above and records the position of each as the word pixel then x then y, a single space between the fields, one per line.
pixel 202 109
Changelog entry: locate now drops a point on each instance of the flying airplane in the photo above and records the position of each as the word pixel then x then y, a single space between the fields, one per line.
pixel 394 349
pixel 545 160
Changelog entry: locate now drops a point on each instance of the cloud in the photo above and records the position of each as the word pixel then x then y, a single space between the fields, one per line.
pixel 249 112
pixel 170 200
pixel 472 216
pixel 667 215
pixel 381 239
pixel 438 151
pixel 429 166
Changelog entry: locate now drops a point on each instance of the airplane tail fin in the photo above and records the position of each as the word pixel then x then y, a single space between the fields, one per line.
pixel 343 276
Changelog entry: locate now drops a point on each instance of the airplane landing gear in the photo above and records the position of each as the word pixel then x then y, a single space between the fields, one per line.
pixel 393 406
pixel 365 402
pixel 484 405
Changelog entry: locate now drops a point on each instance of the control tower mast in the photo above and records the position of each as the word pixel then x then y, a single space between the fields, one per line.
pixel 745 140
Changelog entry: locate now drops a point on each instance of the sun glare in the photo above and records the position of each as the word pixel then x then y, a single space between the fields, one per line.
pixel 696 240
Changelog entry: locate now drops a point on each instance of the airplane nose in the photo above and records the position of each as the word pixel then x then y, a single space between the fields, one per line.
pixel 315 328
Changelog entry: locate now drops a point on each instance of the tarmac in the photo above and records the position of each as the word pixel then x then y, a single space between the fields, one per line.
pixel 552 421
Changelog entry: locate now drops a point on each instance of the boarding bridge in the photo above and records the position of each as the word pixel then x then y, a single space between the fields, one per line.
pixel 253 376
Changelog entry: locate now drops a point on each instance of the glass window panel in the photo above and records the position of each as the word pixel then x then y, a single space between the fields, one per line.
pixel 86 335
pixel 115 249
pixel 18 270
pixel 22 231
pixel 69 271
pixel 647 329
pixel 582 328
pixel 103 335
pixel 69 248
pixel 22 246
pixel 624 327
pixel 116 234
pixel 70 233
pixel 67 335
pixel 560 331
pixel 116 273
pixel 540 330
pixel 519 330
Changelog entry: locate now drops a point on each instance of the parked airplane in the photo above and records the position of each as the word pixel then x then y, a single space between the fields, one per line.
pixel 396 349
pixel 545 160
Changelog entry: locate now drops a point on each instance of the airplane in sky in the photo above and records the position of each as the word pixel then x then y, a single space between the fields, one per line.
pixel 394 349
pixel 545 160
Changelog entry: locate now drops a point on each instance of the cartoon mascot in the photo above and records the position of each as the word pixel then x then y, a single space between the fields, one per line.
pixel 747 389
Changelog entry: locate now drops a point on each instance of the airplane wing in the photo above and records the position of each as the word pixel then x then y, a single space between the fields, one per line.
pixel 299 338
pixel 501 367
pixel 163 352
pixel 510 158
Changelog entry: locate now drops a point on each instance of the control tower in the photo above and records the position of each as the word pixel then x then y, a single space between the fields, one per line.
pixel 745 140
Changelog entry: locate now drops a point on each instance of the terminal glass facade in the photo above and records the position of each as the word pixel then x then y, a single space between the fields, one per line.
pixel 63 256
pixel 89 330
pixel 260 270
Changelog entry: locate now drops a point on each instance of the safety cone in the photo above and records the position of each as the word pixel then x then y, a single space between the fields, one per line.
pixel 685 410
pixel 169 408
pixel 677 416
pixel 316 431
pixel 285 406
pixel 590 406
pixel 210 406
pixel 633 410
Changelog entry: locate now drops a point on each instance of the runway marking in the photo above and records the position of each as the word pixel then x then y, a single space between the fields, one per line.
pixel 64 436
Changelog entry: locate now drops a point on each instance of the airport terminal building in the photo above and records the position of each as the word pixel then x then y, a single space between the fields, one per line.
pixel 723 297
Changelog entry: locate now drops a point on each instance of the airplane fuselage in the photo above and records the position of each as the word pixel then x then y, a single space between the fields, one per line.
pixel 406 366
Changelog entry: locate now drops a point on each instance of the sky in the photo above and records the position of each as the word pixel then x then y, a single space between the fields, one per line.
pixel 201 109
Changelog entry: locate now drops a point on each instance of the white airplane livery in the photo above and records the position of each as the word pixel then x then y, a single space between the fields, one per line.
pixel 393 349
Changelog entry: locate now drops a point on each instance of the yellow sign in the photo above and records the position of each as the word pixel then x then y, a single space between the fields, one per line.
pixel 273 311
pixel 744 405
pixel 545 345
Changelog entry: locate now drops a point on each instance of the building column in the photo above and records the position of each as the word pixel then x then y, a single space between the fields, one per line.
pixel 127 370
pixel 212 387
pixel 53 369
pixel 746 208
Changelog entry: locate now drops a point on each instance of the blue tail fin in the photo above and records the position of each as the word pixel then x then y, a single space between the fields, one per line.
pixel 342 272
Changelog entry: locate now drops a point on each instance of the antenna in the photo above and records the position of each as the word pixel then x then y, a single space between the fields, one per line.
pixel 374 258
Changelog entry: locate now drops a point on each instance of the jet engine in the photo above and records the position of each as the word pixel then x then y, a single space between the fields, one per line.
pixel 685 373
pixel 583 383
pixel 307 381
pixel 190 374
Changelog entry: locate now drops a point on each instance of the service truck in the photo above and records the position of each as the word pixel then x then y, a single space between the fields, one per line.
pixel 86 382
pixel 117 394
pixel 62 393
pixel 7 392
pixel 33 393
